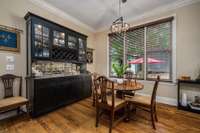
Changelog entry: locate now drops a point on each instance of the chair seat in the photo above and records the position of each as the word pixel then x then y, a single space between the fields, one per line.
pixel 139 99
pixel 117 101
pixel 12 102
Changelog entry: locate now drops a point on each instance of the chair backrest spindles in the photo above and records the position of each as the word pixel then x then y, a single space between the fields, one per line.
pixel 102 84
pixel 8 82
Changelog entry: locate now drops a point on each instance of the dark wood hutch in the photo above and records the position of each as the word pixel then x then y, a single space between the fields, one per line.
pixel 58 54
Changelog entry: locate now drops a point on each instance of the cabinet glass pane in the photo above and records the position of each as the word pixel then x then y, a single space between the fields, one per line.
pixel 45 32
pixel 81 45
pixel 38 29
pixel 58 38
pixel 72 41
pixel 82 50
pixel 41 41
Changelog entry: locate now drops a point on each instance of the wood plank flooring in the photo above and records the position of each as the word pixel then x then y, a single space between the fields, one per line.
pixel 80 118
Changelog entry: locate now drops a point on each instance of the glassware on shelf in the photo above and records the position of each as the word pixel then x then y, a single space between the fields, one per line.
pixel 72 42
pixel 45 32
pixel 81 52
pixel 46 52
pixel 59 38
pixel 80 43
pixel 40 51
pixel 38 29
pixel 71 45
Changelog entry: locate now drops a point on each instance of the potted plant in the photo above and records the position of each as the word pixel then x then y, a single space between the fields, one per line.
pixel 119 70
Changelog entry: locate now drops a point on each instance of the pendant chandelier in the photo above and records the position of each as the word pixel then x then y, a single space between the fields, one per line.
pixel 119 26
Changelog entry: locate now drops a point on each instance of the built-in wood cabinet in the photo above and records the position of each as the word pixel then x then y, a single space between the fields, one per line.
pixel 51 42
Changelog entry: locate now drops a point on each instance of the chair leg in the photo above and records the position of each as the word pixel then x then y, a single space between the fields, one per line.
pixel 27 108
pixel 18 110
pixel 97 116
pixel 93 102
pixel 155 113
pixel 93 98
pixel 111 121
pixel 128 112
pixel 152 119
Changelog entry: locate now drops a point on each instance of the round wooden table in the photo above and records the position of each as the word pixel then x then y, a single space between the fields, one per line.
pixel 132 86
pixel 127 88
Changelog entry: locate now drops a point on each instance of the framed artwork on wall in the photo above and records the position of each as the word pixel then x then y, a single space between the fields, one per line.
pixel 90 55
pixel 9 39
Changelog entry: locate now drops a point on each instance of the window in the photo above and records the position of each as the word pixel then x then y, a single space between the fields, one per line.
pixel 158 51
pixel 147 49
pixel 135 51
pixel 116 48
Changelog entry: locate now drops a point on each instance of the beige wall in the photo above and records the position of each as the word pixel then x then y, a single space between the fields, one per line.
pixel 12 13
pixel 187 47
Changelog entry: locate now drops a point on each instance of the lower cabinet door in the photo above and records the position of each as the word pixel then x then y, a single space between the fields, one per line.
pixel 44 100
pixel 50 94
pixel 62 92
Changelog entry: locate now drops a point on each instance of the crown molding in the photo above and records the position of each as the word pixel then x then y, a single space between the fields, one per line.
pixel 156 11
pixel 44 5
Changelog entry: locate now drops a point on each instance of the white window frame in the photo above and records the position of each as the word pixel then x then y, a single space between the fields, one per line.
pixel 174 74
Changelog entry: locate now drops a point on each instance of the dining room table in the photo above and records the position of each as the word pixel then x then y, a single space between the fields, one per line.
pixel 127 87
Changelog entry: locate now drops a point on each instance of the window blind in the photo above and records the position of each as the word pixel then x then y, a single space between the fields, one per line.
pixel 134 41
pixel 159 50
pixel 116 51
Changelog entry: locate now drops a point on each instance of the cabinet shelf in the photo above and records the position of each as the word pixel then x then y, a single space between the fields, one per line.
pixel 188 83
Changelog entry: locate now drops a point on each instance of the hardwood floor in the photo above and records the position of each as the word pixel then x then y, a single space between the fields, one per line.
pixel 80 118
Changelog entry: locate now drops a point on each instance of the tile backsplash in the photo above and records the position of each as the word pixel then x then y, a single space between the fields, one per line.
pixel 41 68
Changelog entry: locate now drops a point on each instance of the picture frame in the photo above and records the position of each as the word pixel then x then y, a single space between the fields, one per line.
pixel 9 39
pixel 90 55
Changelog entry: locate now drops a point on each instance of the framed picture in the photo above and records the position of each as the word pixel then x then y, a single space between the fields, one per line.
pixel 89 55
pixel 9 39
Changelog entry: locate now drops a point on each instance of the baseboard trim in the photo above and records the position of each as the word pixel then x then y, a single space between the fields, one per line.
pixel 165 100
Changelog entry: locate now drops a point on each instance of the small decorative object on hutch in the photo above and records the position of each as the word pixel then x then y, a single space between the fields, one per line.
pixel 184 77
pixel 56 65
pixel 189 95
pixel 89 55
pixel 9 38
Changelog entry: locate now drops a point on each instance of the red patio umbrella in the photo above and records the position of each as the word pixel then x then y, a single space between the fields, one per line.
pixel 149 60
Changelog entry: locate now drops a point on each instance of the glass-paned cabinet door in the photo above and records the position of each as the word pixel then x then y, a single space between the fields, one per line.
pixel 58 38
pixel 72 42
pixel 41 41
pixel 82 49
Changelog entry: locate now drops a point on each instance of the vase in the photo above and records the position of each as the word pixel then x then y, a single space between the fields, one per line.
pixel 184 100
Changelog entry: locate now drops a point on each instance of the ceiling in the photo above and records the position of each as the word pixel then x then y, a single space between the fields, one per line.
pixel 99 14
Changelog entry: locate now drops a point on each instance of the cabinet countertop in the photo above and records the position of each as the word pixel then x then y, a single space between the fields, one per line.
pixel 56 76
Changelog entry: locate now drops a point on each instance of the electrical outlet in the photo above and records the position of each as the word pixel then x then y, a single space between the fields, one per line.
pixel 10 67
pixel 10 59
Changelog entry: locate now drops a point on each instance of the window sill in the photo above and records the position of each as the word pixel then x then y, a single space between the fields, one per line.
pixel 161 82
pixel 151 81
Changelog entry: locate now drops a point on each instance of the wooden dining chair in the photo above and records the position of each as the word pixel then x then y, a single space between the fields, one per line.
pixel 109 102
pixel 147 103
pixel 12 101
pixel 94 77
